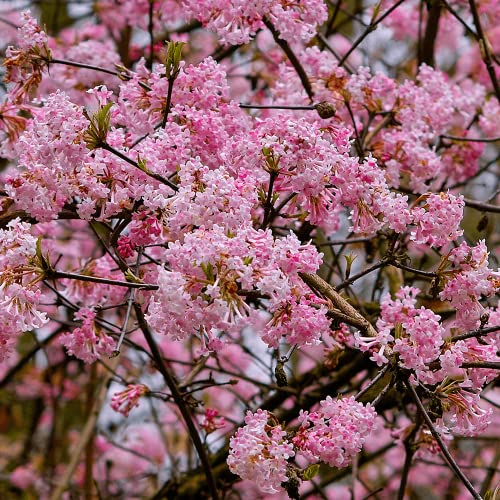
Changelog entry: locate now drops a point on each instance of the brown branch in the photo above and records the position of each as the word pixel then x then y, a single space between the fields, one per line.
pixel 451 462
pixel 426 55
pixel 179 400
pixel 87 432
pixel 292 58
pixel 350 315
pixel 485 48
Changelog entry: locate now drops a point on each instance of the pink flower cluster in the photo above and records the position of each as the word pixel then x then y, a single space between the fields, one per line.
pixel 336 432
pixel 125 401
pixel 20 292
pixel 236 21
pixel 415 334
pixel 259 452
pixel 438 220
pixel 211 271
pixel 467 282
pixel 333 434
pixel 87 342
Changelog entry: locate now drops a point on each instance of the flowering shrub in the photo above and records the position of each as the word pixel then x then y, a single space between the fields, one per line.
pixel 249 249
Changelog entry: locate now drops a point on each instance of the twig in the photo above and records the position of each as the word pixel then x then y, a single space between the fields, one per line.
pixel 351 316
pixel 292 58
pixel 451 462
pixel 179 400
pixel 492 365
pixel 103 281
pixel 372 27
pixel 475 333
pixel 135 164
pixel 469 139
pixel 485 48
pixel 379 375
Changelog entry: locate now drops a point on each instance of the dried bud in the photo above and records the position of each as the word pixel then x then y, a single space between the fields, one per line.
pixel 280 375
pixel 325 109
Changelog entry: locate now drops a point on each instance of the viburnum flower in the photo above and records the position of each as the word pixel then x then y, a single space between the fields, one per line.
pixel 124 401
pixel 20 274
pixel 259 451
pixel 211 270
pixel 335 433
pixel 461 411
pixel 87 342
pixel 26 62
pixel 468 281
pixel 415 334
pixel 438 220
pixel 236 21
pixel 211 421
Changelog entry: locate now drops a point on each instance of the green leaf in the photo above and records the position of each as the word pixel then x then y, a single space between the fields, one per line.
pixel 311 472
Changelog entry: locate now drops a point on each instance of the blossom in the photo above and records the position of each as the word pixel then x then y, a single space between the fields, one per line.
pixel 87 342
pixel 124 401
pixel 259 452
pixel 26 62
pixel 467 282
pixel 211 421
pixel 20 294
pixel 335 433
pixel 438 221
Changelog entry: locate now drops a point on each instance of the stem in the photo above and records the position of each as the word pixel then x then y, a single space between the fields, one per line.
pixel 484 48
pixel 84 66
pixel 354 278
pixel 103 281
pixel 268 206
pixel 469 139
pixel 179 400
pixel 86 434
pixel 276 106
pixel 475 333
pixel 431 30
pixel 379 375
pixel 451 462
pixel 316 283
pixel 125 158
pixel 483 207
pixel 151 36
pixel 369 29
pixel 409 452
pixel 493 365
pixel 168 104
pixel 292 58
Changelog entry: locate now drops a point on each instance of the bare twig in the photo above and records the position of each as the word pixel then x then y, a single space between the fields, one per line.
pixel 451 462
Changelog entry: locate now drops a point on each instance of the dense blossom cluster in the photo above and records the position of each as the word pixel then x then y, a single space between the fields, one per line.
pixel 259 451
pixel 265 242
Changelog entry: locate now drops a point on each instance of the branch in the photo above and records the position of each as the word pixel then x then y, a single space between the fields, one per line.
pixel 493 365
pixel 431 30
pixel 372 27
pixel 179 400
pixel 484 48
pixel 292 58
pixel 453 465
pixel 135 164
pixel 350 315
pixel 103 281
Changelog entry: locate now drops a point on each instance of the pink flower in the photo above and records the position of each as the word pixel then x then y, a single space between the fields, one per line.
pixel 259 452
pixel 438 221
pixel 123 402
pixel 211 421
pixel 335 433
pixel 87 342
